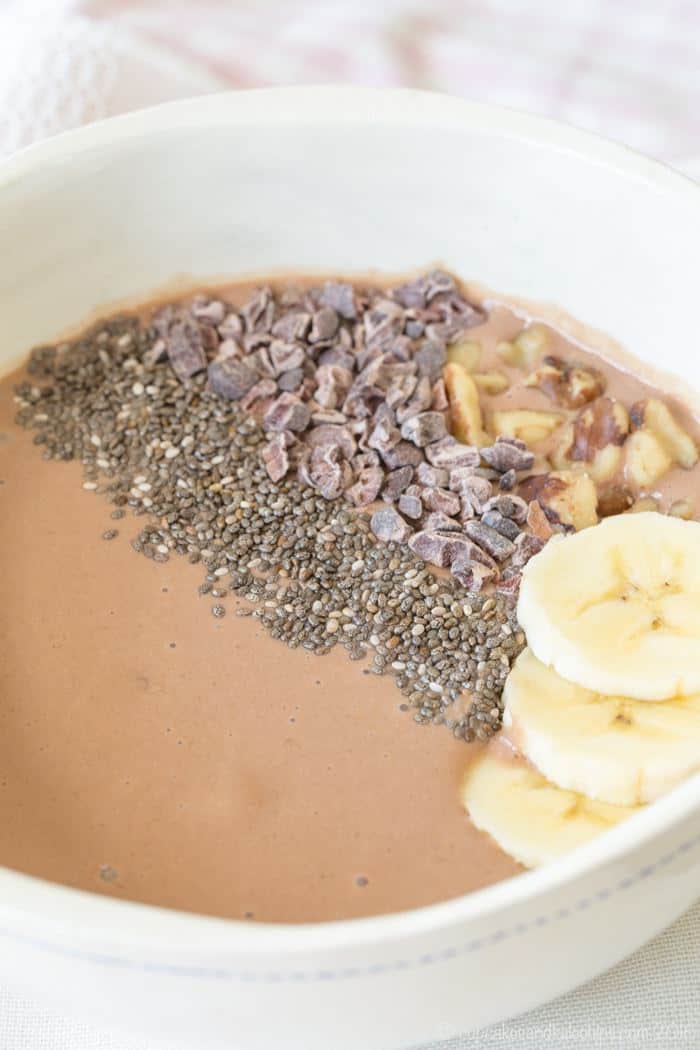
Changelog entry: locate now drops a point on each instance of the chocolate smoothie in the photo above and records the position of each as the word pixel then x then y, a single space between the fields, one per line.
pixel 156 746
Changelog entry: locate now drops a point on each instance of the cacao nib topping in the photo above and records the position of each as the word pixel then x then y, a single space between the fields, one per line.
pixel 264 388
pixel 436 521
pixel 231 378
pixel 276 458
pixel 292 327
pixel 411 506
pixel 508 454
pixel 332 434
pixel 211 311
pixel 506 526
pixel 185 347
pixel 424 429
pixel 324 325
pixel 509 506
pixel 430 359
pixel 396 482
pixel 450 453
pixel 288 412
pixel 498 546
pixel 440 548
pixel 348 384
pixel 440 499
pixel 388 525
pixel 367 487
pixel 341 298
pixel 285 356
pixel 433 477
pixel 292 380
pixel 403 454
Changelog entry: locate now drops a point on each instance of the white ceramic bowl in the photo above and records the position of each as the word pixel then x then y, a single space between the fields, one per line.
pixel 349 180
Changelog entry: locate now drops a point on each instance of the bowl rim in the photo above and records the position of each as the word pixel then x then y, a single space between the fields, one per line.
pixel 76 914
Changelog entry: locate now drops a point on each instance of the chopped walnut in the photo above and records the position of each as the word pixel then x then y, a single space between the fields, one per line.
pixel 567 383
pixel 567 497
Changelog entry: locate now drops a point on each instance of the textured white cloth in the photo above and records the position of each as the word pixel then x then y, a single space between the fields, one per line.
pixel 631 71
pixel 60 69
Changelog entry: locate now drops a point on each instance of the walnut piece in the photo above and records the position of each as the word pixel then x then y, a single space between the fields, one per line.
pixel 567 497
pixel 594 438
pixel 465 408
pixel 465 352
pixel 567 383
pixel 526 424
pixel 655 416
pixel 526 350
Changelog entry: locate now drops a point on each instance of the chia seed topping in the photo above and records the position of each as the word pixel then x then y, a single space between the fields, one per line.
pixel 266 514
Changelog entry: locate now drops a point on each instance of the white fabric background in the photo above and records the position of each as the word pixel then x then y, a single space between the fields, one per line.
pixel 629 70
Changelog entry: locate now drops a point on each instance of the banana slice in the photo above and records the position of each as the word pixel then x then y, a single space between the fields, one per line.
pixel 529 818
pixel 609 748
pixel 616 608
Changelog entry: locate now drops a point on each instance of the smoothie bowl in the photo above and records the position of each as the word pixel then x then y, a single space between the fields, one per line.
pixel 413 481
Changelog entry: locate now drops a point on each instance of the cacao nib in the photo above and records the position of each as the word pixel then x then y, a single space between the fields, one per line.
pixel 329 472
pixel 211 311
pixel 288 412
pixel 440 499
pixel 451 453
pixel 506 526
pixel 231 378
pixel 366 488
pixel 388 525
pixel 185 347
pixel 332 434
pixel 292 326
pixel 411 506
pixel 396 482
pixel 430 359
pixel 424 429
pixel 292 380
pixel 508 454
pixel 433 477
pixel 341 298
pixel 499 547
pixel 438 548
pixel 403 454
pixel 508 481
pixel 473 575
pixel 275 457
pixel 285 356
pixel 333 383
pixel 526 546
pixel 264 388
pixel 509 506
pixel 324 325
pixel 438 522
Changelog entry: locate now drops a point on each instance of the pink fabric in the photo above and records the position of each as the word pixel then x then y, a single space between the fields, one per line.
pixel 629 69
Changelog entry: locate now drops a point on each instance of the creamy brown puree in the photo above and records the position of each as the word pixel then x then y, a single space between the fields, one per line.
pixel 151 752
pixel 228 775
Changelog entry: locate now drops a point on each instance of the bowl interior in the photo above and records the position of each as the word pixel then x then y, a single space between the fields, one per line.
pixel 350 181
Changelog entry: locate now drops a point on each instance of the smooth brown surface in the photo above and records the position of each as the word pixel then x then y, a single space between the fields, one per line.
pixel 226 775
pixel 151 752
